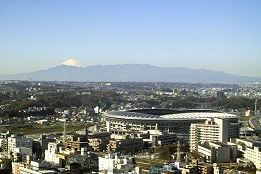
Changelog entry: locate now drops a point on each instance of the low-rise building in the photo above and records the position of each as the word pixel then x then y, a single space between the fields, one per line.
pixel 214 151
pixel 76 142
pixel 37 168
pixel 45 122
pixel 202 168
pixel 247 132
pixel 249 149
pixel 217 169
pixel 125 145
pixel 15 167
pixel 159 138
pixel 98 145
pixel 20 153
pixel 101 135
pixel 114 164
pixel 190 170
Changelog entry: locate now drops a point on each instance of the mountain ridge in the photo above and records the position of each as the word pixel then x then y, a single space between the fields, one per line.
pixel 130 72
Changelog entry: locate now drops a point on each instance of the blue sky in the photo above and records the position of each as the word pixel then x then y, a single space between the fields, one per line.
pixel 221 35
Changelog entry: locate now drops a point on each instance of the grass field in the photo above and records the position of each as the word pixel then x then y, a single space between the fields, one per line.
pixel 147 163
pixel 34 128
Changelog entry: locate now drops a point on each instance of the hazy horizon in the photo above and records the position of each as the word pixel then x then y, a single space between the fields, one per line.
pixel 213 35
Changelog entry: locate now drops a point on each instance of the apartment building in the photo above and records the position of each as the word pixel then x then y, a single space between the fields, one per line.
pixel 4 139
pixel 213 130
pixel 14 142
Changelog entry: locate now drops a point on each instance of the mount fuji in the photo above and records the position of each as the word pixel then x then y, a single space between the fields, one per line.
pixel 72 70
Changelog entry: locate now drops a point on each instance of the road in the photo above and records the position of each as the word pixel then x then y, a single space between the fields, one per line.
pixel 255 123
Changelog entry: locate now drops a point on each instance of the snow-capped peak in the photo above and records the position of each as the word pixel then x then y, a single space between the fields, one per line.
pixel 72 62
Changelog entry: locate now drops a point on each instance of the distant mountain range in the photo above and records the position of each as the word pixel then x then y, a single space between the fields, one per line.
pixel 130 73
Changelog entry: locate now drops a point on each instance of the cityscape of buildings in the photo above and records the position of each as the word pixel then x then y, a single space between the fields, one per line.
pixel 128 127
pixel 130 87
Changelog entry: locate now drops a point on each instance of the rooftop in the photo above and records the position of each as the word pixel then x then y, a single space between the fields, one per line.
pixel 166 114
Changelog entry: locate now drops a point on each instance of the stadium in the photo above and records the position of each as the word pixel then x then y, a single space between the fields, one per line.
pixel 177 121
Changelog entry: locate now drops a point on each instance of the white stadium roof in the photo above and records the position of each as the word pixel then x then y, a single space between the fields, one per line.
pixel 176 115
pixel 198 115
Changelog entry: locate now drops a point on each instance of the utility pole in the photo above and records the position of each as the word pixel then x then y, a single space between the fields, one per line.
pixel 178 152
pixel 255 107
pixel 64 132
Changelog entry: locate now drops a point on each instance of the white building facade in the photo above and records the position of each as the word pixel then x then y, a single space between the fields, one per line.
pixel 213 130
pixel 250 149
pixel 215 152
pixel 53 148
pixel 15 142
pixel 113 164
